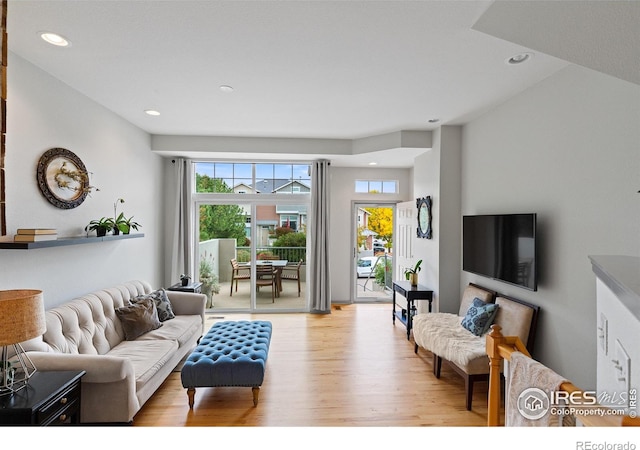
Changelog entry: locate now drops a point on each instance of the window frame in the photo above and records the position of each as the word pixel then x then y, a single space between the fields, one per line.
pixel 382 183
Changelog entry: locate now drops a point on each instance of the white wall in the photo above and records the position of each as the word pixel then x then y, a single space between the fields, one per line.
pixel 426 182
pixel 341 234
pixel 566 149
pixel 437 174
pixel 43 113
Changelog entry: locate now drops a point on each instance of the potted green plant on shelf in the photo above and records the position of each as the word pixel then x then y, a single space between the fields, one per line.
pixel 122 223
pixel 101 226
pixel 125 225
pixel 411 274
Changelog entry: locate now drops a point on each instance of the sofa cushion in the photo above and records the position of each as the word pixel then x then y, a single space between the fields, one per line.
pixel 479 316
pixel 138 318
pixel 163 305
pixel 146 356
pixel 181 329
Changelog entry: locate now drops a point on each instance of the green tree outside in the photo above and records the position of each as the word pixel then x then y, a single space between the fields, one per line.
pixel 220 221
pixel 380 221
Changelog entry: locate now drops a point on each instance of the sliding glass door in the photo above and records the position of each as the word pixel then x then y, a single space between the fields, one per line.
pixel 223 246
pixel 252 243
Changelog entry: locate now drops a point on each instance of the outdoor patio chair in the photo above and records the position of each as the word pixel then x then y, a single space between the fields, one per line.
pixel 238 273
pixel 292 273
pixel 267 276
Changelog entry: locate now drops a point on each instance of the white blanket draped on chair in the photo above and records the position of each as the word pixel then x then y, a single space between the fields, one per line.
pixel 444 335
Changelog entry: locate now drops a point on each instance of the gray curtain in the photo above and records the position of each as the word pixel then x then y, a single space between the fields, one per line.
pixel 182 250
pixel 320 284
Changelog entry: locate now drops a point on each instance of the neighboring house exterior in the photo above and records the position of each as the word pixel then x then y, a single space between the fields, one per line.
pixel 242 188
pixel 269 217
pixel 363 224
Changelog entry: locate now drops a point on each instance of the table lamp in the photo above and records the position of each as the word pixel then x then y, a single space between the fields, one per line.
pixel 21 318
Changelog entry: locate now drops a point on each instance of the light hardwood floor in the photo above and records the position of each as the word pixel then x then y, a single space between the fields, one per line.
pixel 350 368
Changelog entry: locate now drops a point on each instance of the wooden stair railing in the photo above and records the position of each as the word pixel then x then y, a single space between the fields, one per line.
pixel 500 347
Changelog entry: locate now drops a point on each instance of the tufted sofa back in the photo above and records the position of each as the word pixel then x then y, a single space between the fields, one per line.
pixel 88 324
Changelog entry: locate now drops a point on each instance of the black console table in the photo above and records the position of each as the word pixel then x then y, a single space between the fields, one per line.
pixel 191 287
pixel 411 293
pixel 50 398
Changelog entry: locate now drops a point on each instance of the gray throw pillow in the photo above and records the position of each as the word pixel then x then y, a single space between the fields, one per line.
pixel 163 305
pixel 138 318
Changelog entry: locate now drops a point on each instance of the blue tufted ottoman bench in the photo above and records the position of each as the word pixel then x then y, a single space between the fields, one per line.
pixel 230 354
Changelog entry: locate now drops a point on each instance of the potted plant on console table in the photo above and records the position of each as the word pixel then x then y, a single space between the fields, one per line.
pixel 411 274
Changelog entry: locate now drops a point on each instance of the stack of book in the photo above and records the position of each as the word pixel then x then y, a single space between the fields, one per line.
pixel 35 235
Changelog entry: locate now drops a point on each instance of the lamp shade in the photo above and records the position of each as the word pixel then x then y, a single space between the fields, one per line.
pixel 21 316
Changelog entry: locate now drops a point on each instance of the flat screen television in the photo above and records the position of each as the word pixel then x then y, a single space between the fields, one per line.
pixel 501 247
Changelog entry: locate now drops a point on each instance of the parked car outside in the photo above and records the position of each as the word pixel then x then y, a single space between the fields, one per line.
pixel 366 265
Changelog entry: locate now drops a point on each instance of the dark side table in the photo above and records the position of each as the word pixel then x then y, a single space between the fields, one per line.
pixel 50 398
pixel 411 293
pixel 191 287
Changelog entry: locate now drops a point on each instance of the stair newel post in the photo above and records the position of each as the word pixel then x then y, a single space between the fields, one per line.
pixel 494 339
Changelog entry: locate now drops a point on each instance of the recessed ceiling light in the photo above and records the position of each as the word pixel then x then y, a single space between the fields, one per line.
pixel 152 112
pixel 55 39
pixel 225 88
pixel 519 58
pixel 373 163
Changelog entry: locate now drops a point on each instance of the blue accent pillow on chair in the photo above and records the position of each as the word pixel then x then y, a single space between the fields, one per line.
pixel 479 317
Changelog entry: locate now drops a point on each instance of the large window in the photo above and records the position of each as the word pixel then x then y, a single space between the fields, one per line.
pixel 252 178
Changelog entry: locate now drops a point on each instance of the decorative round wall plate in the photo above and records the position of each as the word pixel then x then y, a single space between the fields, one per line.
pixel 62 178
pixel 424 217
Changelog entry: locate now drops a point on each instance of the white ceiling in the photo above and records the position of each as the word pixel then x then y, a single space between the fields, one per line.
pixel 341 70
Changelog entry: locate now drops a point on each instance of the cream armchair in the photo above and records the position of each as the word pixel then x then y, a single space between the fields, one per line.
pixel 443 334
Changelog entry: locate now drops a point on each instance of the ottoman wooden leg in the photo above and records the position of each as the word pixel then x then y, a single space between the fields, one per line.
pixel 191 393
pixel 256 393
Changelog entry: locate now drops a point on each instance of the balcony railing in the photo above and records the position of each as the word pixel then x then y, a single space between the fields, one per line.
pixel 291 254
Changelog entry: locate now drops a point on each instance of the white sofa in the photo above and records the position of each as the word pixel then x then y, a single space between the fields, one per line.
pixel 121 375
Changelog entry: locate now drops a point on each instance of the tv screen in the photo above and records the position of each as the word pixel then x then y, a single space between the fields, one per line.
pixel 501 247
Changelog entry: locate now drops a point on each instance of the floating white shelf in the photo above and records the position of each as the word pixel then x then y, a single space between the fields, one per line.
pixel 63 241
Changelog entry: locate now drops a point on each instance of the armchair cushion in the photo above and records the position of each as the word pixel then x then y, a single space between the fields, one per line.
pixel 479 316
pixel 472 292
pixel 443 335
